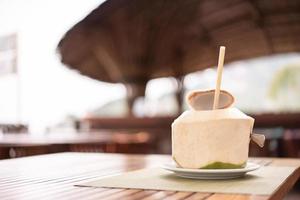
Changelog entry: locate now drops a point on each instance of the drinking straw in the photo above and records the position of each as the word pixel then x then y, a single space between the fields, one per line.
pixel 219 77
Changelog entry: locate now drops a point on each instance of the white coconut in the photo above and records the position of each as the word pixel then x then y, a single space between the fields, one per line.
pixel 201 138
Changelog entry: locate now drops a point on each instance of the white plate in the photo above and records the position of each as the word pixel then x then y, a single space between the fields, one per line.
pixel 210 173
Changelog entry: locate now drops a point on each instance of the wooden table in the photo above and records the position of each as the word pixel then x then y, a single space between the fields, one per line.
pixel 29 144
pixel 53 176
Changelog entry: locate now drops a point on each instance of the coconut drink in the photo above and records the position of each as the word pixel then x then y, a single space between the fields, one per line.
pixel 213 134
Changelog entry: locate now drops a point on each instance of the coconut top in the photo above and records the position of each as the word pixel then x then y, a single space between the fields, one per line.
pixel 208 115
pixel 201 103
pixel 203 99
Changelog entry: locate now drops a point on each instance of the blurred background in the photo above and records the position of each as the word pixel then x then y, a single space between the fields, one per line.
pixel 95 76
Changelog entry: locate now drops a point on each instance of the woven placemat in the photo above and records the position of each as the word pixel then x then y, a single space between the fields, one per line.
pixel 260 182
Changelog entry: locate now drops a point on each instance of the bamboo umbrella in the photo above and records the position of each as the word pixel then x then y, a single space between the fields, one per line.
pixel 132 41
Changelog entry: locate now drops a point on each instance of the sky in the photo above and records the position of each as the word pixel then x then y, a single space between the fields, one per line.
pixel 48 91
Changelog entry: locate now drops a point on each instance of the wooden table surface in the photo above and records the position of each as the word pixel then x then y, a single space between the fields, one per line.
pixel 53 176
pixel 100 141
pixel 68 138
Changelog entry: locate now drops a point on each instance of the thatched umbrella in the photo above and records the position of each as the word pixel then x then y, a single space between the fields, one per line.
pixel 132 41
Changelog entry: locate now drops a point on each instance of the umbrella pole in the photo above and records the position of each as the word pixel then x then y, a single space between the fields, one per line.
pixel 179 94
pixel 134 90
